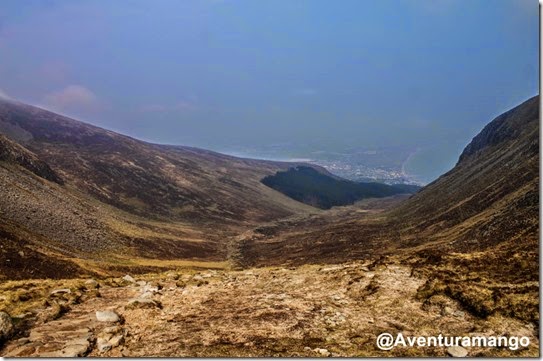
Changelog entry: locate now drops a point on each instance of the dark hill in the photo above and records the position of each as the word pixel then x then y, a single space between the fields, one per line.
pixel 320 190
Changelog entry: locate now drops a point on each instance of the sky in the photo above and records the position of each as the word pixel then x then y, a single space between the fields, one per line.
pixel 315 75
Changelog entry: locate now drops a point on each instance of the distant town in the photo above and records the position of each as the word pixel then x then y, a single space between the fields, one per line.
pixel 361 173
pixel 384 165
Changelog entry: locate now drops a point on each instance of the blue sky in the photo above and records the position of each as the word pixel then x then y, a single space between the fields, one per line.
pixel 319 74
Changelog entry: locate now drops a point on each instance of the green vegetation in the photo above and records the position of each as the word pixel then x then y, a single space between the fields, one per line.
pixel 307 185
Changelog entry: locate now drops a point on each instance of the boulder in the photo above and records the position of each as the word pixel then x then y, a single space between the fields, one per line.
pixel 129 278
pixel 107 316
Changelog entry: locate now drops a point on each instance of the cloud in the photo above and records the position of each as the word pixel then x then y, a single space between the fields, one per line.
pixel 71 98
pixel 4 95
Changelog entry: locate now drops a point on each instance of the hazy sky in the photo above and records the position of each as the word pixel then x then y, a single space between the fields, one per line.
pixel 323 74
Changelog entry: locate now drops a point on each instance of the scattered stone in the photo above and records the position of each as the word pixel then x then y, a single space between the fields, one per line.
pixel 116 340
pixel 446 311
pixel 457 351
pixel 150 289
pixel 141 283
pixel 146 295
pixel 60 291
pixel 197 278
pixel 172 275
pixel 6 326
pixel 129 278
pixel 141 303
pixel 107 316
pixel 112 330
pixel 322 351
pixel 91 284
pixel 459 314
pixel 103 346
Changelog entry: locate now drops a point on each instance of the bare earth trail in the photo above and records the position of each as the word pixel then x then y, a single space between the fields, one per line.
pixel 313 310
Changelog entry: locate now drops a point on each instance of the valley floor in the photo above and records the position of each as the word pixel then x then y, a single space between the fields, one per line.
pixel 312 310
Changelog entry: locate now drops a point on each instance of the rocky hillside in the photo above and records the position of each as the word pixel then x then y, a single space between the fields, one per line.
pixel 11 152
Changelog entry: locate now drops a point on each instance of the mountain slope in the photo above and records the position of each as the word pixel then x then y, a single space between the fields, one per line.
pixel 489 197
pixel 86 193
pixel 479 222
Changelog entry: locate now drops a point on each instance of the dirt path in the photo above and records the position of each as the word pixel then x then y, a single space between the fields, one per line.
pixel 336 310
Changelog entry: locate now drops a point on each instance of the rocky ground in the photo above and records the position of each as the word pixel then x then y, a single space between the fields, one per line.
pixel 312 310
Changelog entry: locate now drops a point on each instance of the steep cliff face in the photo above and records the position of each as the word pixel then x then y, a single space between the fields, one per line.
pixel 492 194
pixel 506 127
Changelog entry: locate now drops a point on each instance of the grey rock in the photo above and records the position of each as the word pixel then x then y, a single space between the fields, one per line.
pixel 107 316
pixel 129 278
pixel 60 291
pixel 150 289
